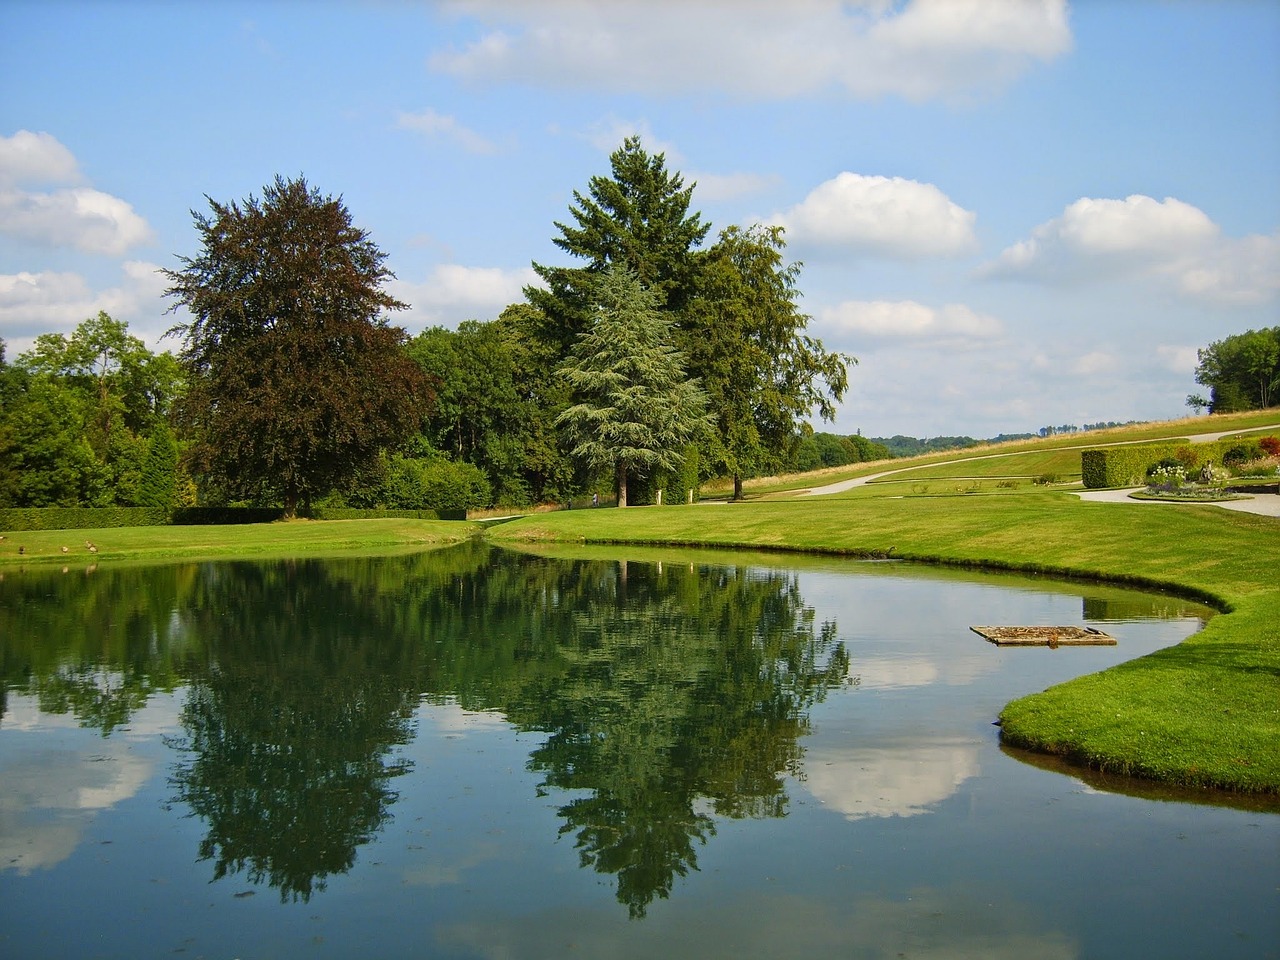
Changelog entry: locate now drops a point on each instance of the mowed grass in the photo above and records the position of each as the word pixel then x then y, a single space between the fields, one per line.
pixel 298 538
pixel 1204 713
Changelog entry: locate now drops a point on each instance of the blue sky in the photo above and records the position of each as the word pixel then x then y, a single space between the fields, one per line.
pixel 1014 214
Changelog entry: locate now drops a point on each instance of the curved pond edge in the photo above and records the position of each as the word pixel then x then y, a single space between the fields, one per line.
pixel 1173 732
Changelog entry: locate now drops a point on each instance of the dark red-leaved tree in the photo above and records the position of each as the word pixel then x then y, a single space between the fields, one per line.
pixel 295 379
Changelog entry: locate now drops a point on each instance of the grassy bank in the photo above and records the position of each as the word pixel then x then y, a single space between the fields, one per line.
pixel 1203 713
pixel 298 538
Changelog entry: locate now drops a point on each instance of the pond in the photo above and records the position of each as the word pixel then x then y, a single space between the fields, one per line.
pixel 478 753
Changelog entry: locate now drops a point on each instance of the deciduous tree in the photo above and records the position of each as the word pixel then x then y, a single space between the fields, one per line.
pixel 1242 371
pixel 295 378
pixel 745 338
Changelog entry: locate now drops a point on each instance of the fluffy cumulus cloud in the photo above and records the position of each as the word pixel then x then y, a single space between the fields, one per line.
pixel 76 216
pixel 880 216
pixel 49 301
pixel 909 320
pixel 35 158
pixel 759 48
pixel 1168 240
pixel 453 293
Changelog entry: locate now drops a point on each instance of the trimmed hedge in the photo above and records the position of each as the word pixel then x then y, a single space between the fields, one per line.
pixel 82 518
pixel 373 513
pixel 95 518
pixel 1127 465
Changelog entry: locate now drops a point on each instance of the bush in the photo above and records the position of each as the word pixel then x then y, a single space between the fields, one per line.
pixel 1166 464
pixel 1243 452
pixel 1270 446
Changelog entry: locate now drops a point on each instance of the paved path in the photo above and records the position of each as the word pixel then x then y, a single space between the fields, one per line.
pixel 1265 504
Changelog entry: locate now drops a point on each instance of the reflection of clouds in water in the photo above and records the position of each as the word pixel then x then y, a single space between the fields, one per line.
pixel 903 672
pixel 932 924
pixel 899 781
pixel 443 874
pixel 49 796
pixel 449 717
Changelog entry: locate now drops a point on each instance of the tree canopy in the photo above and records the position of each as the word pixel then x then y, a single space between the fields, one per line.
pixel 635 408
pixel 746 341
pixel 1242 371
pixel 639 218
pixel 296 381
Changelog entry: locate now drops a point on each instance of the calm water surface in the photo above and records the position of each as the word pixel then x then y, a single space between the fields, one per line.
pixel 474 753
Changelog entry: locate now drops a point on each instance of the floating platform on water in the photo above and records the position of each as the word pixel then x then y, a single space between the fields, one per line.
pixel 1045 636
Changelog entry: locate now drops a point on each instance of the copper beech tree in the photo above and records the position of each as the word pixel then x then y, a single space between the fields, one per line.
pixel 295 379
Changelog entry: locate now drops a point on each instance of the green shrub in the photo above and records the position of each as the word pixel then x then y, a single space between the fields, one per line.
pixel 81 518
pixel 1242 452
pixel 1123 466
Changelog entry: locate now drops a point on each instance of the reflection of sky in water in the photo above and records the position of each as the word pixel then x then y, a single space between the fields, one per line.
pixel 903 780
pixel 929 923
pixel 905 832
pixel 51 791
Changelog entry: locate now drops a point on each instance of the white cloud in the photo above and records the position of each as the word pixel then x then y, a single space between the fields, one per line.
pixel 1138 237
pixel 1095 363
pixel 433 125
pixel 880 216
pixel 1179 359
pixel 607 135
pixel 53 302
pixel 453 293
pixel 80 217
pixel 927 48
pixel 1237 272
pixel 909 320
pixel 28 157
pixel 900 781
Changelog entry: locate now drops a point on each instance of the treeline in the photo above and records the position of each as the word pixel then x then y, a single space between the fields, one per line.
pixel 654 361
pixel 1242 372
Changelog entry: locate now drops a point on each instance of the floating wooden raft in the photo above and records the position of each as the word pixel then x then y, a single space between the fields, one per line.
pixel 1044 636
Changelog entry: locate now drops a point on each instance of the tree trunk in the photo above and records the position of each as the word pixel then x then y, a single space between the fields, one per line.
pixel 737 486
pixel 290 504
pixel 622 485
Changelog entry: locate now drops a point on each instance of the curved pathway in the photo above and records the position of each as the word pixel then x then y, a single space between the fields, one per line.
pixel 1265 504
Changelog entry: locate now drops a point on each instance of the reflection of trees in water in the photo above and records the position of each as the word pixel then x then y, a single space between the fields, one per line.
pixel 292 720
pixel 667 693
pixel 90 642
pixel 680 686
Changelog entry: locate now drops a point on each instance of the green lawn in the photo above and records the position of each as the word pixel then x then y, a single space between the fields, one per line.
pixel 293 539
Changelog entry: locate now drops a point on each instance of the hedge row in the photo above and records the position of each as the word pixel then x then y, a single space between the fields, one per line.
pixel 96 518
pixel 82 518
pixel 1126 466
pixel 355 513
pixel 1122 466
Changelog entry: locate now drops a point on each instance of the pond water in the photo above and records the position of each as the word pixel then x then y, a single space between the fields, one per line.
pixel 476 753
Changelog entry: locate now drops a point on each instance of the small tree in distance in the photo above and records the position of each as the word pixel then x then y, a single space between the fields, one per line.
pixel 295 381
pixel 635 408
